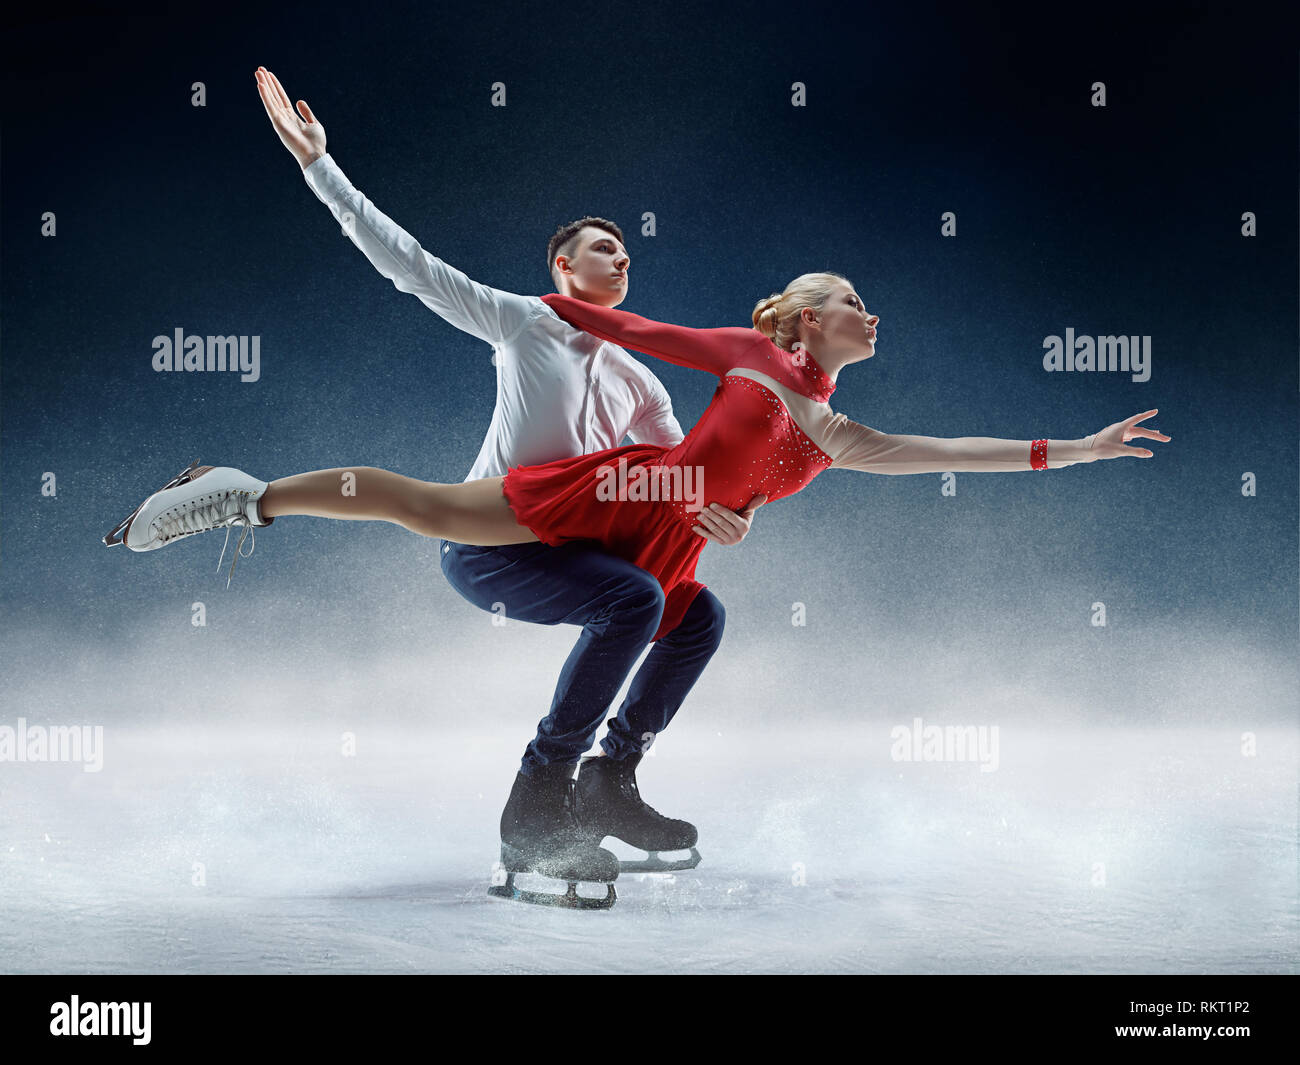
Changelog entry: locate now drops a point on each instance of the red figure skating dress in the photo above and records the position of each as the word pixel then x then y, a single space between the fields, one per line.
pixel 768 430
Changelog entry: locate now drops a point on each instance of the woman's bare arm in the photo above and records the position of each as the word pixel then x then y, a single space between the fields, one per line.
pixel 859 447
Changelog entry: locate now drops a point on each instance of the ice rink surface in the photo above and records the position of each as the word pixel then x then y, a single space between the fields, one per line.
pixel 206 849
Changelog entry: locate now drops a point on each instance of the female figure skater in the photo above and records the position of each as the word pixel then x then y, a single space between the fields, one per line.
pixel 768 430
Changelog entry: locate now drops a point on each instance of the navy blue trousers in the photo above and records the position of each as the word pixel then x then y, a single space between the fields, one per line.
pixel 619 606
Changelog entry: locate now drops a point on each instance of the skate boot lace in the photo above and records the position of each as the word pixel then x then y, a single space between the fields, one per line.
pixel 205 516
pixel 574 818
pixel 571 803
pixel 629 785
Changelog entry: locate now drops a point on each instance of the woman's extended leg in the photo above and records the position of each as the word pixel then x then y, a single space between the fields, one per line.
pixel 475 512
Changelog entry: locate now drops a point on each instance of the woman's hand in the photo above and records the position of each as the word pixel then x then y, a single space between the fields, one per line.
pixel 304 137
pixel 1109 443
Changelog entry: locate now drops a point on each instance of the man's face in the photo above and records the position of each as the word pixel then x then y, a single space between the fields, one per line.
pixel 596 268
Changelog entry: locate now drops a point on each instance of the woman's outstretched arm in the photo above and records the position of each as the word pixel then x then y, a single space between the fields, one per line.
pixel 714 350
pixel 858 447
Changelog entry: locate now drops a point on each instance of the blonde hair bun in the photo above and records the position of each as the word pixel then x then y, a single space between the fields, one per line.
pixel 777 317
pixel 766 314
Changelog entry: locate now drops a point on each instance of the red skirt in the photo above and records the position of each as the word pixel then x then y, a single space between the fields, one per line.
pixel 559 502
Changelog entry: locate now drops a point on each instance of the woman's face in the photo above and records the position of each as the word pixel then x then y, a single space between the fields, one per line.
pixel 847 330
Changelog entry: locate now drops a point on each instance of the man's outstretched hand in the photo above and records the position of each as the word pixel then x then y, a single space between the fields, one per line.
pixel 725 526
pixel 304 137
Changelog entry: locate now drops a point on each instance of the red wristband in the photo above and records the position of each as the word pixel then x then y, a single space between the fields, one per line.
pixel 1038 455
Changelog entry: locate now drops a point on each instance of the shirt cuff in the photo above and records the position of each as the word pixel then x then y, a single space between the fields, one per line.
pixel 325 178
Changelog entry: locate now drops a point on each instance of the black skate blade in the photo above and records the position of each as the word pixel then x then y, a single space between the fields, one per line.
pixel 654 864
pixel 117 534
pixel 570 900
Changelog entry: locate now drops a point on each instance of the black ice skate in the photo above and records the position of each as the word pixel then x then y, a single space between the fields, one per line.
pixel 540 834
pixel 609 804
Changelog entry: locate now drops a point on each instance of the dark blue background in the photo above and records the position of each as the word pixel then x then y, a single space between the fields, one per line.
pixel 1123 219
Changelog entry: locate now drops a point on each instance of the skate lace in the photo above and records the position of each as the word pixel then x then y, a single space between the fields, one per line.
pixel 202 517
pixel 629 785
pixel 570 816
pixel 252 544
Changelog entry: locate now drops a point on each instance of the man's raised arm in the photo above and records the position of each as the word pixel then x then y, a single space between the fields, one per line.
pixel 488 313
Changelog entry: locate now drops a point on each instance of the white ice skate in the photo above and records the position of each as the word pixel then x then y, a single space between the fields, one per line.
pixel 198 499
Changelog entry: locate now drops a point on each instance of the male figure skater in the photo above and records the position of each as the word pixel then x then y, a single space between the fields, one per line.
pixel 560 393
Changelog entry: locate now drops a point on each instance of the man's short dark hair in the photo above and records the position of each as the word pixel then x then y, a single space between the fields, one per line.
pixel 565 234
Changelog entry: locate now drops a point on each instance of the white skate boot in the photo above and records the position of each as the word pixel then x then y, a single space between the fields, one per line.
pixel 198 499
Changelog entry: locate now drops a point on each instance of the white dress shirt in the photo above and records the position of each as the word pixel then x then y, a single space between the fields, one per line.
pixel 560 391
